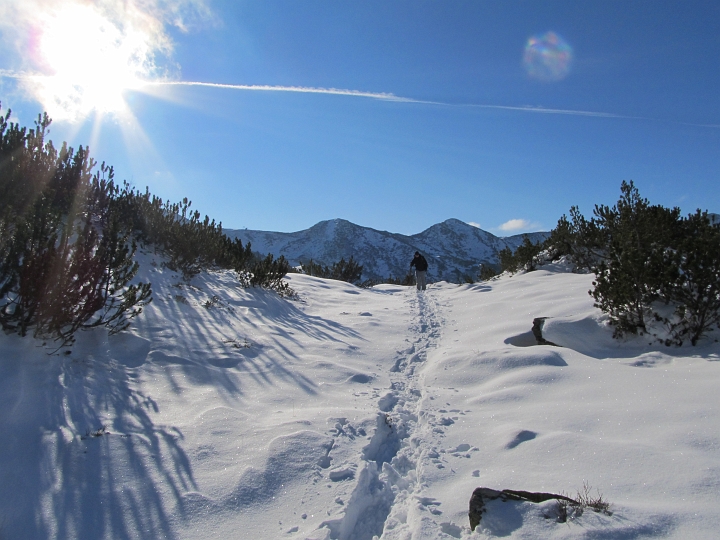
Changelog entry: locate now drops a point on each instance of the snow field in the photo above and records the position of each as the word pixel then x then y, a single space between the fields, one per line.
pixel 351 414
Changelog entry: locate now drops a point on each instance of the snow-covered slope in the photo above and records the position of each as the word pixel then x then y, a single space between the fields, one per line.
pixel 353 413
pixel 453 248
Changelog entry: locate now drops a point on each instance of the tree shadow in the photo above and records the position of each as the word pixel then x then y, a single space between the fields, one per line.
pixel 84 457
pixel 214 345
pixel 96 470
pixel 90 462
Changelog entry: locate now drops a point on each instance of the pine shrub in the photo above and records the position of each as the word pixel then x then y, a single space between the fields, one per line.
pixel 269 272
pixel 648 262
pixel 487 272
pixel 66 256
pixel 68 237
pixel 407 281
pixel 696 287
pixel 636 269
pixel 349 271
pixel 523 258
pixel 191 244
pixel 508 263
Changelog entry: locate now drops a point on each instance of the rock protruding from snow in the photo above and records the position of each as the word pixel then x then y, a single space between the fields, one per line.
pixel 537 327
pixel 483 495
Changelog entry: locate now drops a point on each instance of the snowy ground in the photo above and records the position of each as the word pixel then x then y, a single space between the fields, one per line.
pixel 351 413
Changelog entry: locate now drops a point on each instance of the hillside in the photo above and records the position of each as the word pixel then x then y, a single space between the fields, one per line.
pixel 453 248
pixel 351 413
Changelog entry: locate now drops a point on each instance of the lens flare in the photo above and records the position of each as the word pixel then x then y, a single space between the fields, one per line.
pixel 548 57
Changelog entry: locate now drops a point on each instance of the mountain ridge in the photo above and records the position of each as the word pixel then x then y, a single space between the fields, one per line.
pixel 454 249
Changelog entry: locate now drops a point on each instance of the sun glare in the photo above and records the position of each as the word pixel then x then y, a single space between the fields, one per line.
pixel 89 61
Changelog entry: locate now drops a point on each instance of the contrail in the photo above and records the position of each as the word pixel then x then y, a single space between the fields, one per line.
pixel 384 96
pixel 15 75
pixel 375 95
pixel 299 89
pixel 390 97
pixel 543 110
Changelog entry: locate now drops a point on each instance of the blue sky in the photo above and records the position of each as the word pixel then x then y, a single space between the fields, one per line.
pixel 470 131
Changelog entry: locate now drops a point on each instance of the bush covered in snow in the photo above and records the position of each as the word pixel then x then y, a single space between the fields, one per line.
pixel 193 245
pixel 654 268
pixel 66 254
pixel 656 272
pixel 525 257
pixel 68 239
pixel 349 271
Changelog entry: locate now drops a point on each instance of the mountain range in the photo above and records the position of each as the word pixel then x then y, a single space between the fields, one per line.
pixel 453 248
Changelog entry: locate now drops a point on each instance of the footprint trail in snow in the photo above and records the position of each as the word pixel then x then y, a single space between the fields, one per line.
pixel 387 497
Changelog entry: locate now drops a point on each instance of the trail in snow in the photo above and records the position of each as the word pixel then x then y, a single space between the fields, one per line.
pixel 388 483
pixel 354 414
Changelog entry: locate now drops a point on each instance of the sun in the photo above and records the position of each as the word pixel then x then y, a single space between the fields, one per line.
pixel 88 61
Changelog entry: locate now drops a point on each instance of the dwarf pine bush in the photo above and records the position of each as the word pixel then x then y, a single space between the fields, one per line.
pixel 695 287
pixel 66 255
pixel 651 265
pixel 487 272
pixel 523 258
pixel 68 237
pixel 191 244
pixel 349 271
pixel 637 265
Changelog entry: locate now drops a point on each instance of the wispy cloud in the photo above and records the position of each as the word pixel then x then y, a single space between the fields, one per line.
pixel 472 223
pixel 515 225
pixel 37 79
pixel 153 16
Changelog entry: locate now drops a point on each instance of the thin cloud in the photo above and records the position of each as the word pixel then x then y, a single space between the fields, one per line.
pixel 515 225
pixel 20 20
pixel 570 112
pixel 473 224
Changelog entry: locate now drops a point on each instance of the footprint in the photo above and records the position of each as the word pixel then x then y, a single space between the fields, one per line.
pixel 521 437
pixel 451 529
pixel 361 378
pixel 464 447
pixel 342 473
pixel 387 402
pixel 427 501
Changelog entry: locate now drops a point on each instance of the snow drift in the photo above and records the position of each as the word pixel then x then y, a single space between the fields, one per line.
pixel 349 414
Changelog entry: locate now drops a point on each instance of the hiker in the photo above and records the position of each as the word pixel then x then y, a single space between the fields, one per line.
pixel 421 266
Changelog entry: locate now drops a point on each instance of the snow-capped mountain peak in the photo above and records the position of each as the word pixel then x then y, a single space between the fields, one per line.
pixel 453 247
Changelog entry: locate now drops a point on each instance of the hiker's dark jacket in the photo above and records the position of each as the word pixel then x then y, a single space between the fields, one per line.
pixel 419 263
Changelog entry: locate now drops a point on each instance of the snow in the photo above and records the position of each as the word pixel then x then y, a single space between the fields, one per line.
pixel 351 413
